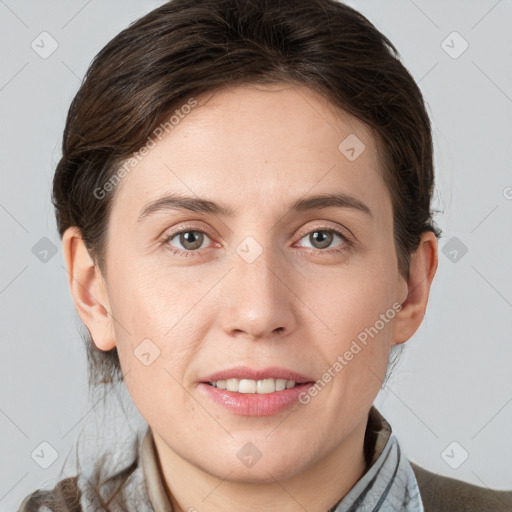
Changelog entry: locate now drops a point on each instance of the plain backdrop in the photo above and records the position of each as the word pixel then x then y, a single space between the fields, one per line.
pixel 449 400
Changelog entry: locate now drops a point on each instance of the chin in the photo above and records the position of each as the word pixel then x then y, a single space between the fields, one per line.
pixel 242 469
pixel 257 474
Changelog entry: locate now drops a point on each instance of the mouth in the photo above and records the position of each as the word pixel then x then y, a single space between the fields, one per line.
pixel 248 392
pixel 260 387
pixel 244 379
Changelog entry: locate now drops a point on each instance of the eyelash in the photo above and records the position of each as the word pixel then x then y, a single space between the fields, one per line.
pixel 347 241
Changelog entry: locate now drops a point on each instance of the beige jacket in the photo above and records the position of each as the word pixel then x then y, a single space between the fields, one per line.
pixel 438 493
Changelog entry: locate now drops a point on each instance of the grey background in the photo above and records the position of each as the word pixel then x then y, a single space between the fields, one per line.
pixel 454 382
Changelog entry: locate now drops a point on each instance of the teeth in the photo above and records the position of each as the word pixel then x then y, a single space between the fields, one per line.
pixel 261 387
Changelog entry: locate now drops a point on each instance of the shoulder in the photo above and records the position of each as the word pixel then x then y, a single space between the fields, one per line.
pixel 65 497
pixel 444 494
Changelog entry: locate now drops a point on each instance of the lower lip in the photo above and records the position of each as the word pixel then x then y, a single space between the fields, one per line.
pixel 254 404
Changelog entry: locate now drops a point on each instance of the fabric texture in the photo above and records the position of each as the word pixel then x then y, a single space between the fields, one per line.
pixel 390 483
pixel 443 494
pixel 388 486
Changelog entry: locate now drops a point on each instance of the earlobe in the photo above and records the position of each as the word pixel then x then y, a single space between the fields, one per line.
pixel 423 266
pixel 88 289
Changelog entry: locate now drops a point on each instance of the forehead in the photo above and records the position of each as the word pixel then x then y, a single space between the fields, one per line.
pixel 249 145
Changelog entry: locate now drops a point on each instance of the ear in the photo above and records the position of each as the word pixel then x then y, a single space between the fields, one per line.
pixel 423 266
pixel 88 289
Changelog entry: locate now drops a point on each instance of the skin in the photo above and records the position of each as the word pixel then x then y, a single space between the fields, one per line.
pixel 298 304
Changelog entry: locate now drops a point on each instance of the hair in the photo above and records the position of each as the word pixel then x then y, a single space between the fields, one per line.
pixel 186 48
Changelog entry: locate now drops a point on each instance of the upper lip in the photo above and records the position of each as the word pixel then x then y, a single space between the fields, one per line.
pixel 244 372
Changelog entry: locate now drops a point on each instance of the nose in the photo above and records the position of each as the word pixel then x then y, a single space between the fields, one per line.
pixel 258 295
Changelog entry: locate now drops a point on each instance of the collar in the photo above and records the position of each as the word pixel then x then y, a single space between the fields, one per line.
pixel 153 474
pixel 377 435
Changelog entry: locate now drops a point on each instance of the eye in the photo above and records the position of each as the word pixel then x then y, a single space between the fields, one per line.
pixel 322 238
pixel 190 239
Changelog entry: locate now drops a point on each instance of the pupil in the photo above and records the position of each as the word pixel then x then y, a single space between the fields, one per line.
pixel 188 237
pixel 324 238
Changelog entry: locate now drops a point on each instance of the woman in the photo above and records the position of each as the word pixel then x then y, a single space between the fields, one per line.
pixel 244 205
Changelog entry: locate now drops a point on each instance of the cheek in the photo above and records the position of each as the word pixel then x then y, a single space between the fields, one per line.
pixel 157 312
pixel 358 308
pixel 155 340
pixel 353 301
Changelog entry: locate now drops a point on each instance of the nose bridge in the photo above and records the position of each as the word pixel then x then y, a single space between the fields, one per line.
pixel 258 301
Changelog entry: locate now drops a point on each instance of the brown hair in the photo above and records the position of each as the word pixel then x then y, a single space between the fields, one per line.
pixel 185 48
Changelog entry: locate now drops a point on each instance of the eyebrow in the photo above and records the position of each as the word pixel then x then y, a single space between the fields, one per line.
pixel 200 205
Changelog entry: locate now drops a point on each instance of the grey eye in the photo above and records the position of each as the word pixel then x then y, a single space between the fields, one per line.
pixel 190 240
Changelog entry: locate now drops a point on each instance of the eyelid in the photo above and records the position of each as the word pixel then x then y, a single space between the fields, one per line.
pixel 171 233
pixel 345 233
pixel 347 242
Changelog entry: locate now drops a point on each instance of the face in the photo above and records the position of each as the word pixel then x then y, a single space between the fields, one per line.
pixel 253 282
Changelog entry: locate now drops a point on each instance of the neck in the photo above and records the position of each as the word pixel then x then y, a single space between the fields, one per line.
pixel 316 489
